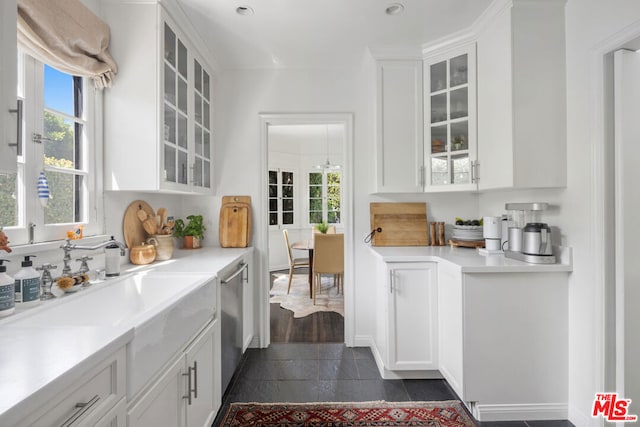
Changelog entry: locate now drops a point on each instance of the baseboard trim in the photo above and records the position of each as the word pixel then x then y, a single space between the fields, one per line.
pixel 519 412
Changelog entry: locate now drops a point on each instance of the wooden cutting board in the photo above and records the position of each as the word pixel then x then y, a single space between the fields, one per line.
pixel 402 224
pixel 234 228
pixel 134 233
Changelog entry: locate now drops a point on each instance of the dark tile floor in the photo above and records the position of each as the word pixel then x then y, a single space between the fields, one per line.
pixel 331 372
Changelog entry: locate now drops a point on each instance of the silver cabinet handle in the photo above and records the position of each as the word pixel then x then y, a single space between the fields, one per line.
pixel 81 409
pixel 188 375
pixel 195 379
pixel 390 281
pixel 243 266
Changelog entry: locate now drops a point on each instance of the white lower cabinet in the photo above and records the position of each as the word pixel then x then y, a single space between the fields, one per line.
pixel 408 335
pixel 116 417
pixel 188 392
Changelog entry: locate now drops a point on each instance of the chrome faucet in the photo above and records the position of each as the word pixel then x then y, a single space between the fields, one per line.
pixel 67 247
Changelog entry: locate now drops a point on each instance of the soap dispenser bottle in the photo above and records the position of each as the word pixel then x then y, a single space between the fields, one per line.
pixel 7 290
pixel 112 259
pixel 27 283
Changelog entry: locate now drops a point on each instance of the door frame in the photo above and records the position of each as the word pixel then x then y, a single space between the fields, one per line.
pixel 275 119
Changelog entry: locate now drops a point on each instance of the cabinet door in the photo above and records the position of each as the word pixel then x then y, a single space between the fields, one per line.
pixel 163 404
pixel 450 121
pixel 8 76
pixel 412 316
pixel 201 407
pixel 116 417
pixel 201 158
pixel 399 139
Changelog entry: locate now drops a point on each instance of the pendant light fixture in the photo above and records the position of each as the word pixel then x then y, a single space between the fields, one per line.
pixel 327 166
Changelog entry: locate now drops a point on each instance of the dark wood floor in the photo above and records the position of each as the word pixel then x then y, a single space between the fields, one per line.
pixel 321 327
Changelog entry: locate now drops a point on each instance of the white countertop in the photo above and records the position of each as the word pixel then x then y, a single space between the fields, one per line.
pixel 37 362
pixel 469 260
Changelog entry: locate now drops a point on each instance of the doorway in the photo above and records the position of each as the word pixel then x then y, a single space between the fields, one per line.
pixel 295 186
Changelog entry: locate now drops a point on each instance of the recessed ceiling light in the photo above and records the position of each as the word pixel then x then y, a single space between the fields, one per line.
pixel 244 10
pixel 394 9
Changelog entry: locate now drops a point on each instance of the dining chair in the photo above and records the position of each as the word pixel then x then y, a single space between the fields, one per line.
pixel 328 258
pixel 293 262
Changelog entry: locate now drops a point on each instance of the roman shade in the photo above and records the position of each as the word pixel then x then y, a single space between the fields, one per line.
pixel 66 35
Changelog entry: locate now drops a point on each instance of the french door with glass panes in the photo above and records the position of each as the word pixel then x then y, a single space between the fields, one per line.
pixel 450 120
pixel 282 198
pixel 324 197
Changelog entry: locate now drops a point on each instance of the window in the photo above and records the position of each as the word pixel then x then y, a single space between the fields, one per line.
pixel 58 139
pixel 324 197
pixel 281 198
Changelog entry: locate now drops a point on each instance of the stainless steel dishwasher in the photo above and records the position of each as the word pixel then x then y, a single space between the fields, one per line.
pixel 231 323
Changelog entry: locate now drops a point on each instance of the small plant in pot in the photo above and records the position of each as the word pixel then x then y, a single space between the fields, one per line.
pixel 192 233
pixel 322 227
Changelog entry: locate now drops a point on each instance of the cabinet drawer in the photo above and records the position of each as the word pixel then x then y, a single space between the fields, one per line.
pixel 90 397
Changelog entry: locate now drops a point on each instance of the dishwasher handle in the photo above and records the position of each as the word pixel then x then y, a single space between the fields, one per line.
pixel 243 267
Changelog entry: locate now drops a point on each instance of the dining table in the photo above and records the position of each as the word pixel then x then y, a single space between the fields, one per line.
pixel 306 245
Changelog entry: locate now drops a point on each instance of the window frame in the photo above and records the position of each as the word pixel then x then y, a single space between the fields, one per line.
pixel 30 88
pixel 279 171
pixel 325 196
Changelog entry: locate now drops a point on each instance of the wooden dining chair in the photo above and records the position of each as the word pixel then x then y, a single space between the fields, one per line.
pixel 293 262
pixel 328 258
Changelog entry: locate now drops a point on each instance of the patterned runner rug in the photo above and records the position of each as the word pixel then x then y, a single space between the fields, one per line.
pixel 448 413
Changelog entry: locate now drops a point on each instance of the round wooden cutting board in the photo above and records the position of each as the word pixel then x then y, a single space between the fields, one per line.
pixel 134 233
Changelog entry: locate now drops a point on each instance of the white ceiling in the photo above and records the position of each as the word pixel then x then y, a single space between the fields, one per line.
pixel 321 33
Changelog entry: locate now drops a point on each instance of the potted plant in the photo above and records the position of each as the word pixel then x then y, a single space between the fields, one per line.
pixel 322 227
pixel 192 233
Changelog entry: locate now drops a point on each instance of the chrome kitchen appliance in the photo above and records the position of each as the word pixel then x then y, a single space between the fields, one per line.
pixel 231 296
pixel 529 239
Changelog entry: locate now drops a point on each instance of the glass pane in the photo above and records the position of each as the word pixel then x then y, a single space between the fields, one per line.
pixel 315 191
pixel 197 75
pixel 183 167
pixel 59 141
pixel 207 145
pixel 169 45
pixel 8 197
pixel 205 115
pixel 460 136
pixel 182 95
pixel 183 130
pixel 439 108
pixel 287 191
pixel 287 177
pixel 315 204
pixel 170 163
pixel 273 219
pixel 273 177
pixel 273 191
pixel 273 205
pixel 438 76
pixel 459 103
pixel 315 178
pixel 169 85
pixel 206 173
pixel 333 178
pixel 439 139
pixel 287 204
pixel 58 91
pixel 198 140
pixel 62 204
pixel 315 217
pixel 287 218
pixel 458 71
pixel 439 170
pixel 182 59
pixel 205 85
pixel 197 173
pixel 333 217
pixel 169 124
pixel 461 169
pixel 197 103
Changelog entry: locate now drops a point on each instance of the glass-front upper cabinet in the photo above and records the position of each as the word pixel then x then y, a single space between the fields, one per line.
pixel 450 120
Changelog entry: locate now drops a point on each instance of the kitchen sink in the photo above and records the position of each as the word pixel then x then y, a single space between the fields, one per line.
pixel 164 309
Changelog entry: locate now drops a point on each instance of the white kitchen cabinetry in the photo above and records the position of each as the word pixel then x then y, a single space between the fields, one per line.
pixel 157 126
pixel 399 141
pixel 188 392
pixel 407 329
pixel 89 399
pixel 522 96
pixel 450 120
pixel 8 78
pixel 116 417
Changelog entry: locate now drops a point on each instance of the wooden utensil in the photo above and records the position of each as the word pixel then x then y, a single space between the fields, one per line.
pixel 162 213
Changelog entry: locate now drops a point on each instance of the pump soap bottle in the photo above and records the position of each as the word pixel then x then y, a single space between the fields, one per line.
pixel 7 289
pixel 27 284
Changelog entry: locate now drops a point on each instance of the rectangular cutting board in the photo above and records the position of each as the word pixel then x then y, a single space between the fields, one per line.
pixel 235 222
pixel 402 224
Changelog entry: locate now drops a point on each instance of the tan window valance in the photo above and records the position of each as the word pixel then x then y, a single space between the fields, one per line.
pixel 66 35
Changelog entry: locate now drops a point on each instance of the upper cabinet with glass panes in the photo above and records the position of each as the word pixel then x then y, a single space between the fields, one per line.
pixel 450 120
pixel 158 115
